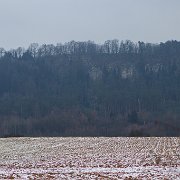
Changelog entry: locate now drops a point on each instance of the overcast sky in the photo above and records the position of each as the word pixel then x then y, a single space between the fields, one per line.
pixel 53 21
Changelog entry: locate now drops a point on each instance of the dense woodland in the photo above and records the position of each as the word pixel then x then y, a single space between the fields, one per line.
pixel 87 89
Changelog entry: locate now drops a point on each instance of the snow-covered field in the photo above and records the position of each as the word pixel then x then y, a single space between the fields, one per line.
pixel 90 158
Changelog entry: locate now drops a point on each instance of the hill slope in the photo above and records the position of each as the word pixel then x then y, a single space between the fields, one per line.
pixel 86 89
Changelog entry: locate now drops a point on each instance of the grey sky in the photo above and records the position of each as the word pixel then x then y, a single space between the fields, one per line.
pixel 53 21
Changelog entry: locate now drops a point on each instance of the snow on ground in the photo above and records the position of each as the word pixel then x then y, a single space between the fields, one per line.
pixel 90 158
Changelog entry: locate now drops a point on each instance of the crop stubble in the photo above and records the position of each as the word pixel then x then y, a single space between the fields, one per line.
pixel 90 158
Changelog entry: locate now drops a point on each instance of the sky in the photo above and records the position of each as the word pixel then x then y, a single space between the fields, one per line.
pixel 53 21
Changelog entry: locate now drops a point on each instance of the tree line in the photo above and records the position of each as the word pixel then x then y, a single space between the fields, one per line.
pixel 119 88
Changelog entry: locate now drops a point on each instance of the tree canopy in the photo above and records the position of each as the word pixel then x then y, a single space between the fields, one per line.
pixel 87 89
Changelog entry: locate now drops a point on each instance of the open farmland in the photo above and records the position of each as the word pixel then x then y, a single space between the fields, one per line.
pixel 90 158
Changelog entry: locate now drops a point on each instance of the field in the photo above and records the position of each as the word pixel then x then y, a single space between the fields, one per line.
pixel 90 158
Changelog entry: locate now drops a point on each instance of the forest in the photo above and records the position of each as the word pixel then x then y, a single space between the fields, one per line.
pixel 118 88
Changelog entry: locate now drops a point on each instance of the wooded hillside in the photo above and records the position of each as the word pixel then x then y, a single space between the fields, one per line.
pixel 86 89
